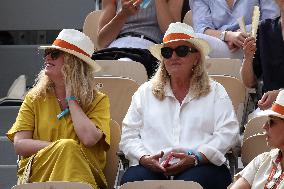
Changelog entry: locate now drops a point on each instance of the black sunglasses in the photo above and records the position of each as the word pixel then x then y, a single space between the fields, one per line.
pixel 54 54
pixel 181 51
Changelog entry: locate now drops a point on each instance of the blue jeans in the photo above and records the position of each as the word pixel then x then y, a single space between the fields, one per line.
pixel 209 176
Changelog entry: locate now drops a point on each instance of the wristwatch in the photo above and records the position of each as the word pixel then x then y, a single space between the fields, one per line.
pixel 222 35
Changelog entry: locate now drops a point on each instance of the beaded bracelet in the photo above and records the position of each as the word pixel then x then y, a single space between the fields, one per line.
pixel 63 113
pixel 196 154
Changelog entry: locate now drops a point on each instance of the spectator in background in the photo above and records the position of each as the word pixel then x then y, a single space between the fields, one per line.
pixel 216 22
pixel 264 59
pixel 62 129
pixel 266 170
pixel 192 115
pixel 125 26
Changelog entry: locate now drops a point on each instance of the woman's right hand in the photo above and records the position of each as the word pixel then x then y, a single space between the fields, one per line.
pixel 152 162
pixel 249 47
pixel 130 7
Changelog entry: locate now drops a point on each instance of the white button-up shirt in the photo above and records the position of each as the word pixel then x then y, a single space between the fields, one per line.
pixel 208 124
pixel 259 169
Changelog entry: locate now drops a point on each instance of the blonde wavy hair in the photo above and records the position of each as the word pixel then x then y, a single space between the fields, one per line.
pixel 199 82
pixel 78 74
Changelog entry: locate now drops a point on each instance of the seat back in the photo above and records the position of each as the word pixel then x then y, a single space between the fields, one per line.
pixel 54 185
pixel 253 146
pixel 112 161
pixel 91 25
pixel 119 91
pixel 161 184
pixel 236 91
pixel 18 88
pixel 188 18
pixel 224 66
pixel 130 69
pixel 254 126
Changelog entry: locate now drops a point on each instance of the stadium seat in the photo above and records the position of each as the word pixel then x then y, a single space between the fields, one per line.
pixel 112 163
pixel 54 185
pixel 253 146
pixel 161 184
pixel 129 69
pixel 188 18
pixel 91 24
pixel 254 126
pixel 119 91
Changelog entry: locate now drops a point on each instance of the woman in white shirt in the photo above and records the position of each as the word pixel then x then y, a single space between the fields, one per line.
pixel 266 170
pixel 182 115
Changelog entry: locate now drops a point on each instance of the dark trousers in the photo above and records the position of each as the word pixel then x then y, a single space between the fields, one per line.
pixel 209 176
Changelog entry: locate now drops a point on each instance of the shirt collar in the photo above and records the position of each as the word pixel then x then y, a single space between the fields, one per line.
pixel 169 93
pixel 274 154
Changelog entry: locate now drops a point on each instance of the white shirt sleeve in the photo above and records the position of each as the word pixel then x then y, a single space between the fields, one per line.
pixel 131 143
pixel 226 129
pixel 251 169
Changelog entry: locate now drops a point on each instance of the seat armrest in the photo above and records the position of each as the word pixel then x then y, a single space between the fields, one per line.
pixel 124 161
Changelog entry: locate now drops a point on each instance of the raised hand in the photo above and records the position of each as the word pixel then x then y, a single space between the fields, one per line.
pixel 249 47
pixel 130 7
pixel 267 99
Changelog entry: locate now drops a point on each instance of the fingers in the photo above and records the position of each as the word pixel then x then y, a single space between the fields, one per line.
pixel 179 155
pixel 267 99
pixel 158 156
pixel 263 98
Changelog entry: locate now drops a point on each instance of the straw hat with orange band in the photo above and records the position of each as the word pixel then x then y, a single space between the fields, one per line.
pixel 76 43
pixel 180 31
pixel 277 108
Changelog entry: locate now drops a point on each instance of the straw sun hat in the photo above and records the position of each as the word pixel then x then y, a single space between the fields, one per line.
pixel 76 43
pixel 177 32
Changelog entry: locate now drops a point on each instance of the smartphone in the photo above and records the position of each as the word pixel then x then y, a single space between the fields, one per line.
pixel 145 4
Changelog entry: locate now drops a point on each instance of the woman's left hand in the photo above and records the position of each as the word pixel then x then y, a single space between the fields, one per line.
pixel 186 161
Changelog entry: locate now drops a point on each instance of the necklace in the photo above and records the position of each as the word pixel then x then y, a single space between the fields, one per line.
pixel 276 175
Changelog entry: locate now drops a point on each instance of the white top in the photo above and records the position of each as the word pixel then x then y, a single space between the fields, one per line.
pixel 258 170
pixel 208 124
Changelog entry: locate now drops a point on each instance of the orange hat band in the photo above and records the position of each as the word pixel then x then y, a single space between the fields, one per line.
pixel 66 45
pixel 176 36
pixel 278 108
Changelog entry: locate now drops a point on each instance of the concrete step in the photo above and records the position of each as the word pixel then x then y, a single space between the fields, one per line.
pixel 8 116
pixel 8 176
pixel 8 155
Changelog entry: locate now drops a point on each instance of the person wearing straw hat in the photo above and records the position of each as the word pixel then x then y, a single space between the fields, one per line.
pixel 266 170
pixel 62 129
pixel 180 123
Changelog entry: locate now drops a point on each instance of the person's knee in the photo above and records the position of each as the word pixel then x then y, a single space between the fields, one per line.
pixel 67 143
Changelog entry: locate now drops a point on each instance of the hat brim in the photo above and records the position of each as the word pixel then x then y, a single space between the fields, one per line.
pixel 83 57
pixel 200 44
pixel 271 113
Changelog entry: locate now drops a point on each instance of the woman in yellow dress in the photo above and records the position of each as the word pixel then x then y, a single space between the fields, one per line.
pixel 62 128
